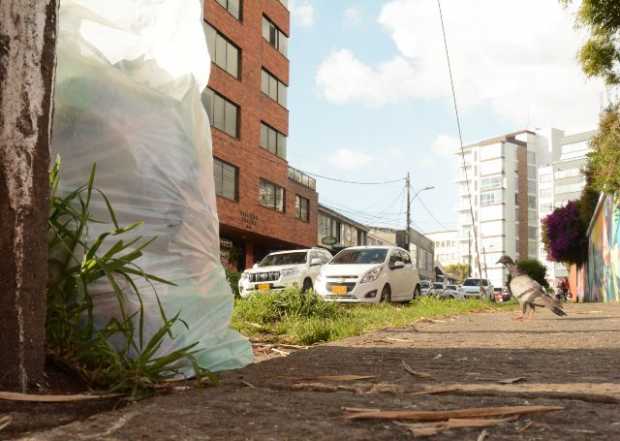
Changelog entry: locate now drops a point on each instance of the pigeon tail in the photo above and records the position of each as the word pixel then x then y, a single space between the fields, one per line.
pixel 558 311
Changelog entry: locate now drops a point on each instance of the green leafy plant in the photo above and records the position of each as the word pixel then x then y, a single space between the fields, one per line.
pixel 604 160
pixel 74 265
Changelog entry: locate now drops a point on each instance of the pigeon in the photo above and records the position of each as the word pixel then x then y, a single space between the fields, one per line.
pixel 528 292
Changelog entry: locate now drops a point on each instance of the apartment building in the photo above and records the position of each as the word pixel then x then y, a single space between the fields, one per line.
pixel 500 177
pixel 448 248
pixel 560 181
pixel 337 231
pixel 263 204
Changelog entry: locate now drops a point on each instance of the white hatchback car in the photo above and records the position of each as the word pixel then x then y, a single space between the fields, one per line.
pixel 476 288
pixel 284 269
pixel 369 275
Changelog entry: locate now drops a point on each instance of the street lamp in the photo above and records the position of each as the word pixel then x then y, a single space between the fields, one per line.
pixel 409 201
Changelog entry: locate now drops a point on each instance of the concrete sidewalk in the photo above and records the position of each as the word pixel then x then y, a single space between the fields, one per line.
pixel 568 362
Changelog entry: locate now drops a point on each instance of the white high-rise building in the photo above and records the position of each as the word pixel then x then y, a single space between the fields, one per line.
pixel 502 175
pixel 560 181
pixel 447 247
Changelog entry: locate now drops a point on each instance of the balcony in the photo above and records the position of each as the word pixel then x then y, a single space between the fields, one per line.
pixel 301 178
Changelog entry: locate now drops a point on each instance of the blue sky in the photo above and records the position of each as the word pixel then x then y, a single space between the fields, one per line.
pixel 369 93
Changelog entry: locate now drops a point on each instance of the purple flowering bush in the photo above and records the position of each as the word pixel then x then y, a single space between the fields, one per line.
pixel 564 235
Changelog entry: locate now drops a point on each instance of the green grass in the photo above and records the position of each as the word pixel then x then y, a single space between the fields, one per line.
pixel 293 318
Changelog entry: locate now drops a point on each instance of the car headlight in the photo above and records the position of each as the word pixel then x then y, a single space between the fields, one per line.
pixel 287 272
pixel 372 275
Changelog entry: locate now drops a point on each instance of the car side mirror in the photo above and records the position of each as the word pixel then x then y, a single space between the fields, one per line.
pixel 316 262
pixel 398 264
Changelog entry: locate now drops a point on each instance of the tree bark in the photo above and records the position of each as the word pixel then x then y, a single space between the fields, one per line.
pixel 28 31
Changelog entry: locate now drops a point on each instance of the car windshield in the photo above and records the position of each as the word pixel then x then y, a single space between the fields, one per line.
pixel 360 256
pixel 295 258
pixel 437 285
pixel 472 282
pixel 451 286
pixel 497 289
pixel 424 284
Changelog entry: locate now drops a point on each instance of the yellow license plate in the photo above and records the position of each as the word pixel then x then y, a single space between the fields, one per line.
pixel 264 287
pixel 339 290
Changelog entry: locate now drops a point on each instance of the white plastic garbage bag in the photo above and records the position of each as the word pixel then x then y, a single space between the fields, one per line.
pixel 127 98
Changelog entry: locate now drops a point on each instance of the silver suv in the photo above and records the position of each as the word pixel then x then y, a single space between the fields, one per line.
pixel 284 269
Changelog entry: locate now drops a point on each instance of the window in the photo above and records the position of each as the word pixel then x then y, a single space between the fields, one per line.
pixel 226 179
pixel 271 196
pixel 491 182
pixel 546 193
pixel 223 114
pixel 272 140
pixel 274 88
pixel 406 258
pixel 223 53
pixel 232 6
pixel 531 157
pixel 490 198
pixel 531 172
pixel 567 173
pixel 532 232
pixel 274 36
pixel 302 208
pixel 328 227
pixel 531 201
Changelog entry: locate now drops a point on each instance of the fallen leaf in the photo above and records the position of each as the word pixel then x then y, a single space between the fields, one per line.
pixel 512 380
pixel 408 368
pixel 5 421
pixel 444 415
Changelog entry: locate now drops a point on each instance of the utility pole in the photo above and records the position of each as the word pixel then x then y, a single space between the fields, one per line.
pixel 469 254
pixel 408 228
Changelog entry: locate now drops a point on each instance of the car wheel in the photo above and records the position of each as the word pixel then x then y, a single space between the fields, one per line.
pixel 386 294
pixel 307 286
pixel 416 292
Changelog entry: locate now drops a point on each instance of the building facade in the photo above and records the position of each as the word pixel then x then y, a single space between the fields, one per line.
pixel 263 204
pixel 502 177
pixel 560 181
pixel 337 231
pixel 448 247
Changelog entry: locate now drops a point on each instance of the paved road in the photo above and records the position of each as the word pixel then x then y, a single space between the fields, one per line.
pixel 282 399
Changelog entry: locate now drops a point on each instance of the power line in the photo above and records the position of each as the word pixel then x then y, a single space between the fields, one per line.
pixel 460 130
pixel 344 181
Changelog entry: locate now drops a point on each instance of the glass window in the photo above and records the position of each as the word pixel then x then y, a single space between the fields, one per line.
pixel 302 208
pixel 531 201
pixel 223 53
pixel 532 232
pixel 274 88
pixel 271 196
pixel 232 6
pixel 226 179
pixel 490 198
pixel 491 182
pixel 223 114
pixel 273 140
pixel 274 36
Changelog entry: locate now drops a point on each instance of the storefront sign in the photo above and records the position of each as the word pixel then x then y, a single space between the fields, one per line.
pixel 249 219
pixel 329 241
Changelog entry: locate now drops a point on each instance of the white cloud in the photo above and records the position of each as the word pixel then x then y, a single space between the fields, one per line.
pixel 445 145
pixel 302 12
pixel 524 68
pixel 346 159
pixel 352 16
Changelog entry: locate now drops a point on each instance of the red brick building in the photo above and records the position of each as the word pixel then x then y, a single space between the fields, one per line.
pixel 263 204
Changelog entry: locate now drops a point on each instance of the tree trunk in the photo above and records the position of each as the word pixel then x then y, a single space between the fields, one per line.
pixel 27 64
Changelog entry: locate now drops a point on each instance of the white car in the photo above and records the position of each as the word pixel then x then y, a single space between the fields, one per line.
pixel 369 274
pixel 471 289
pixel 451 292
pixel 425 287
pixel 284 269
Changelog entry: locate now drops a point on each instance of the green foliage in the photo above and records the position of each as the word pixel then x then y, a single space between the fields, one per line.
pixel 74 266
pixel 460 270
pixel 600 54
pixel 233 280
pixel 293 317
pixel 534 269
pixel 589 198
pixel 604 160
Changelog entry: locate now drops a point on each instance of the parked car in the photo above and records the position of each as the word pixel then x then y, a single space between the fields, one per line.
pixel 437 289
pixel 502 294
pixel 284 269
pixel 451 292
pixel 425 287
pixel 471 289
pixel 369 274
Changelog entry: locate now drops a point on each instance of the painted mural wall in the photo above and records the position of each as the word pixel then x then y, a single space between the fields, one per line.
pixel 604 254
